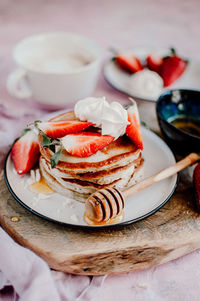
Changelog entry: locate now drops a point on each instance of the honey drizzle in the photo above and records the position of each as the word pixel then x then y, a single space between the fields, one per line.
pixel 188 125
pixel 41 187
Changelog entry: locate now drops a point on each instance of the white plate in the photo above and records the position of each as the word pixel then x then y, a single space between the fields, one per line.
pixel 157 156
pixel 119 79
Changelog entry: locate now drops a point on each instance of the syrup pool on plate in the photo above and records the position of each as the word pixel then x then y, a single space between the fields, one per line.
pixel 41 187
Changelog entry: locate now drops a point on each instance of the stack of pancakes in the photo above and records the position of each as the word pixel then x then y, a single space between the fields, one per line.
pixel 120 164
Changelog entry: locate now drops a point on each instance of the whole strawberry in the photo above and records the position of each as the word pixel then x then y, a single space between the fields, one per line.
pixel 172 68
pixel 196 183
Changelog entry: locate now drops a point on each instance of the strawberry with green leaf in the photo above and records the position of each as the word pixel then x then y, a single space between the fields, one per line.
pixel 172 68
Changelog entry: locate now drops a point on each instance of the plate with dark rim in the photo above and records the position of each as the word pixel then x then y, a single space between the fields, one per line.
pixel 119 79
pixel 57 208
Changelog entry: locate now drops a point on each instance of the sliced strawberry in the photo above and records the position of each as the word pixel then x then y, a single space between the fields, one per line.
pixel 25 152
pixel 133 129
pixel 85 144
pixel 172 68
pixel 58 129
pixel 129 63
pixel 154 62
pixel 196 183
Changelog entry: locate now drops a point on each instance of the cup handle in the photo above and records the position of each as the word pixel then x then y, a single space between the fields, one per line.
pixel 17 84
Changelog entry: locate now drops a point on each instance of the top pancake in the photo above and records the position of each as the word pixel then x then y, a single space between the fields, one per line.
pixel 117 154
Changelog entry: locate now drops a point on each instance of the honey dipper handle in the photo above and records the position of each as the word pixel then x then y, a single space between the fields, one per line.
pixel 169 171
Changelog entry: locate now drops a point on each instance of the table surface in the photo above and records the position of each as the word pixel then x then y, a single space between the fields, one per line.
pixel 118 24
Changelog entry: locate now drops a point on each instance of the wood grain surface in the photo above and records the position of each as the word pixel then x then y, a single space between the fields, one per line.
pixel 171 232
pixel 168 234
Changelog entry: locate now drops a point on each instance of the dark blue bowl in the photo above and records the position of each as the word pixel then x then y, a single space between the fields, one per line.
pixel 177 104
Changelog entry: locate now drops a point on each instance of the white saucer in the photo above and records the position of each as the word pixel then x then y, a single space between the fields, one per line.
pixel 157 156
pixel 119 79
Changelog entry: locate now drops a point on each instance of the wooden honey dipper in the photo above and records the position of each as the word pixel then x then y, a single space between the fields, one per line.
pixel 106 204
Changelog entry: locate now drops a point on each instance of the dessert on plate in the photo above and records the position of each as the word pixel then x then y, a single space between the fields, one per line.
pixel 99 145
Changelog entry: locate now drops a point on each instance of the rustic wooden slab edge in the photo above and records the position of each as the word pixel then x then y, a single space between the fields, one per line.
pixel 170 233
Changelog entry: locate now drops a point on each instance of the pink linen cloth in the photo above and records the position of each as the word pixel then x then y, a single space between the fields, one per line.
pixel 120 24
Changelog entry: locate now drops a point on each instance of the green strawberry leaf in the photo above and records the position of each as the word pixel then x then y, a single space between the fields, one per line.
pixel 24 131
pixel 55 158
pixel 173 51
pixel 36 123
pixel 46 141
pixel 143 123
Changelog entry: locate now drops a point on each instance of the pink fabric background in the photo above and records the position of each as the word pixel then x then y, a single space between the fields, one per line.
pixel 110 23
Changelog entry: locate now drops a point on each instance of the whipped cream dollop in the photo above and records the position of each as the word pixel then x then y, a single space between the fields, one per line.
pixel 112 118
pixel 145 83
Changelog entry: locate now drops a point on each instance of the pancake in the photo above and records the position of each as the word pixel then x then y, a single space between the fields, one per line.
pixel 100 177
pixel 81 190
pixel 120 164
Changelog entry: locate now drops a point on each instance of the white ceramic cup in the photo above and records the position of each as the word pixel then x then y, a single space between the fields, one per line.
pixel 55 69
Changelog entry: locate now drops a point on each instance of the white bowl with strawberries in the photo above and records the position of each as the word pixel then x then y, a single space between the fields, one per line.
pixel 144 73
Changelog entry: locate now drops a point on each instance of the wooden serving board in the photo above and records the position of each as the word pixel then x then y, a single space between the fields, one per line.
pixel 170 233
